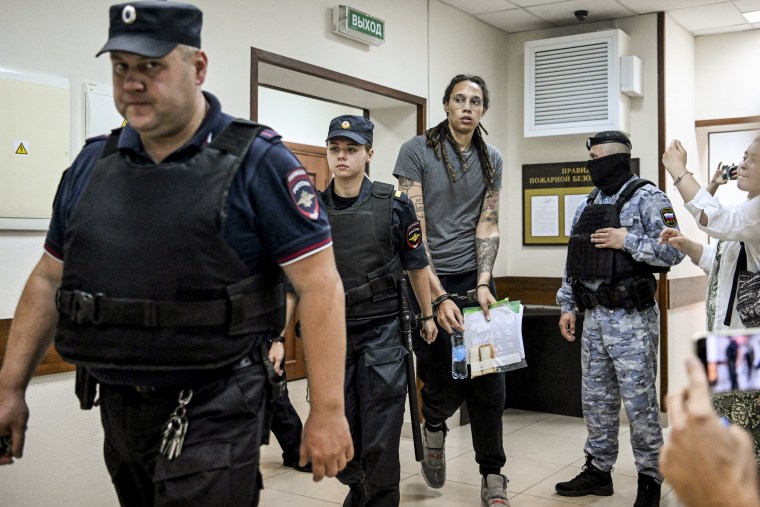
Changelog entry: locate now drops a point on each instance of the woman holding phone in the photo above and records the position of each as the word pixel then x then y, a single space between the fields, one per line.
pixel 737 229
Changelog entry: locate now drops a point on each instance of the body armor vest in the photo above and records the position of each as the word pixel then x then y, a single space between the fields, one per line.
pixel 585 261
pixel 367 261
pixel 149 281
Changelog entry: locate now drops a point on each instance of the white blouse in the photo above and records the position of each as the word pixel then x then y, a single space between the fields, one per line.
pixel 731 224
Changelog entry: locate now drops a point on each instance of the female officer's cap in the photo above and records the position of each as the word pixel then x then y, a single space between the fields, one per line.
pixel 356 128
pixel 153 28
pixel 608 136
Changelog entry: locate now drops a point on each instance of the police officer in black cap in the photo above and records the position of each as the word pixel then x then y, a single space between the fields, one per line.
pixel 612 255
pixel 161 280
pixel 377 237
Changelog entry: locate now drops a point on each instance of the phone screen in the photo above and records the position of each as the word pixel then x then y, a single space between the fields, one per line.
pixel 731 359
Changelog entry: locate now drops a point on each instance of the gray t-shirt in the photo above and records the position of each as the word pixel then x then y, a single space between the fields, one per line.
pixel 452 209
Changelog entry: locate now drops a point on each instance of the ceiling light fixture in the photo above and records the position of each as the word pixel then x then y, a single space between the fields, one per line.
pixel 752 17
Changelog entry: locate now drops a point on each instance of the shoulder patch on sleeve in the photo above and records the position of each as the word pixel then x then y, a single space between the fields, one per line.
pixel 668 217
pixel 303 193
pixel 414 236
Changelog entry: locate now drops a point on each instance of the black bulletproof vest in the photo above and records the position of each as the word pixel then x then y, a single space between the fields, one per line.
pixel 149 282
pixel 585 261
pixel 364 253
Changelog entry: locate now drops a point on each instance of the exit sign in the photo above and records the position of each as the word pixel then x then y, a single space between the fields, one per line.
pixel 358 25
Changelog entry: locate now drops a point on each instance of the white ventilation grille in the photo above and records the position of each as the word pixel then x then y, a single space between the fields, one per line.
pixel 572 84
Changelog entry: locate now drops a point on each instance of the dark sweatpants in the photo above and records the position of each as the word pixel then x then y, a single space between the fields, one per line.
pixel 442 394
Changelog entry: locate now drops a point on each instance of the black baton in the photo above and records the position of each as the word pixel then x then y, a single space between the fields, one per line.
pixel 411 379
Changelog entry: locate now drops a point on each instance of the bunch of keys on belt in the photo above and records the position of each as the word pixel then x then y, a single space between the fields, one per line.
pixel 176 427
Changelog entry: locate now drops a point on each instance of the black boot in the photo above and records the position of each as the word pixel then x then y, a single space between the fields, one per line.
pixel 591 481
pixel 648 494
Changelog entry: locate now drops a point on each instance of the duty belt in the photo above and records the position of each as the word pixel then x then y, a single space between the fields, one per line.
pixel 369 290
pixel 628 293
pixel 83 307
pixel 592 299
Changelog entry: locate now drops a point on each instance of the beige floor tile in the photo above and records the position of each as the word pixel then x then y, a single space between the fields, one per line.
pixel 460 437
pixel 302 485
pixel 463 469
pixel 525 473
pixel 542 449
pixel 527 444
pixel 514 420
pixel 525 500
pixel 276 498
pixel 561 426
pixel 414 492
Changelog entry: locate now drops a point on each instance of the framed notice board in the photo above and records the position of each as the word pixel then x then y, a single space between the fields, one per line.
pixel 551 195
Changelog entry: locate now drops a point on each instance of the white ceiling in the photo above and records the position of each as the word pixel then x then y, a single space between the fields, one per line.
pixel 700 17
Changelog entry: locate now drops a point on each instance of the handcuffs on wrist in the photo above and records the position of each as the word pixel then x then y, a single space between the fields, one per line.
pixel 277 339
pixel 470 297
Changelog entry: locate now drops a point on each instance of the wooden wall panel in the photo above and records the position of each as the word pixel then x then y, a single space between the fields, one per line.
pixel 51 363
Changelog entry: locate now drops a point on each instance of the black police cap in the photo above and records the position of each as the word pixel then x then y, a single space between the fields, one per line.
pixel 153 28
pixel 608 136
pixel 356 128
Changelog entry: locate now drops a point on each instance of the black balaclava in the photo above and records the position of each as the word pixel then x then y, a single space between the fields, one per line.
pixel 611 172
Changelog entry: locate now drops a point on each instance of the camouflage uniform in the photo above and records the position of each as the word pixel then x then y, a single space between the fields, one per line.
pixel 619 347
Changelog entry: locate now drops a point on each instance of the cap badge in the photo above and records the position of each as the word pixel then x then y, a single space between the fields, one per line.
pixel 345 125
pixel 128 15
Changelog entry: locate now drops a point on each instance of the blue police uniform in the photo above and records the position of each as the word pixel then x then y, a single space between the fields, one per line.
pixel 375 382
pixel 271 217
pixel 619 345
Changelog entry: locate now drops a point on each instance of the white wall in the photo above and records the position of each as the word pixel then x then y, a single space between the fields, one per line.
pixel 550 261
pixel 63 456
pixel 679 120
pixel 393 126
pixel 298 118
pixel 727 75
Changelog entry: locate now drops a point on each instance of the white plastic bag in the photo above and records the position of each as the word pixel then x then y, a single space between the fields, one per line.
pixel 495 345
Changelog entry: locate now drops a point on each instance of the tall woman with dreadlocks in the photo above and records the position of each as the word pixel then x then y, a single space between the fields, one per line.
pixel 453 179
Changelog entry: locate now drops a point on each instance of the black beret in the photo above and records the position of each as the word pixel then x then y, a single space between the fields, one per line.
pixel 356 128
pixel 608 136
pixel 153 28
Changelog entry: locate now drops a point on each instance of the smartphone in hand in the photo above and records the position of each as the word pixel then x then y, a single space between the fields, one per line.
pixel 731 359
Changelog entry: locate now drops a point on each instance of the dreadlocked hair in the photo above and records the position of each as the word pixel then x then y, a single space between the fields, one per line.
pixel 436 137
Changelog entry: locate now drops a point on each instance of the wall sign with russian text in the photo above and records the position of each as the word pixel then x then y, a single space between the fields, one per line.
pixel 551 195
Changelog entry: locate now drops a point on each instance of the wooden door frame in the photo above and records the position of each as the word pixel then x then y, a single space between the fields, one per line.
pixel 259 56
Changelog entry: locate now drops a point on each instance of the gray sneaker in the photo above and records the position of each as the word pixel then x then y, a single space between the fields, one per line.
pixel 493 491
pixel 434 457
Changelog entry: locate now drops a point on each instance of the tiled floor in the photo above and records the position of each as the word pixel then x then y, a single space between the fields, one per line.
pixel 542 449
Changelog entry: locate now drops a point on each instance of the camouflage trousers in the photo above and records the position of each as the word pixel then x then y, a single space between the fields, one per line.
pixel 619 361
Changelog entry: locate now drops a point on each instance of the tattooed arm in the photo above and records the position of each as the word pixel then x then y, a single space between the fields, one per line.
pixel 487 246
pixel 448 314
pixel 414 190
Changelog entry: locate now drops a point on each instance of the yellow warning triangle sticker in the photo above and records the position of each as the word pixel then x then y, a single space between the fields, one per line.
pixel 21 150
pixel 124 122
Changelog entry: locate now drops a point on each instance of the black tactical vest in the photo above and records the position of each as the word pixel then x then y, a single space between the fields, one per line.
pixel 149 282
pixel 585 261
pixel 365 254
